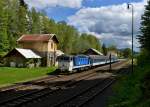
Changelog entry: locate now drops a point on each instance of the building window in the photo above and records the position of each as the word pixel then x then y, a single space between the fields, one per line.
pixel 51 45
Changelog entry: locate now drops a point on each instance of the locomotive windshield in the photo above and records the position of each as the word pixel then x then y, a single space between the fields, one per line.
pixel 64 58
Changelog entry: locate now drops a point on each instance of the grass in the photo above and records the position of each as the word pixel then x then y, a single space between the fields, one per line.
pixel 132 90
pixel 10 75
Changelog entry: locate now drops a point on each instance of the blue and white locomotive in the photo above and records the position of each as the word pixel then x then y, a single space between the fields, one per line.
pixel 70 63
pixel 80 62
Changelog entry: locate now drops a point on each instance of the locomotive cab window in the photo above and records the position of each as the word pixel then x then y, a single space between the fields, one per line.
pixel 71 59
pixel 66 58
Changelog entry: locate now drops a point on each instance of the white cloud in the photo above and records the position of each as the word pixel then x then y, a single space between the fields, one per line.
pixel 112 24
pixel 41 4
pixel 119 41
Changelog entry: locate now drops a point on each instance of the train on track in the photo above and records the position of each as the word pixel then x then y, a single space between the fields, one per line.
pixel 81 62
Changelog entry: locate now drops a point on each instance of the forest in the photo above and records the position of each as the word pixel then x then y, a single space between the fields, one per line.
pixel 17 19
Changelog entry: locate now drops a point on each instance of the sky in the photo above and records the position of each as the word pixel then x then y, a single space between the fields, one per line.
pixel 108 20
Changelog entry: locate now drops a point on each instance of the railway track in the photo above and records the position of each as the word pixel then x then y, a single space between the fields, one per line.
pixel 45 79
pixel 49 90
pixel 25 84
pixel 72 99
pixel 85 96
pixel 35 95
pixel 22 88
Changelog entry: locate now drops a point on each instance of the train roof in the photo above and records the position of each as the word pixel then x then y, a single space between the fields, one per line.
pixel 81 55
pixel 98 56
pixel 102 56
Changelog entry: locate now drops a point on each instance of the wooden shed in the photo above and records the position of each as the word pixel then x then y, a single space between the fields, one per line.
pixel 23 58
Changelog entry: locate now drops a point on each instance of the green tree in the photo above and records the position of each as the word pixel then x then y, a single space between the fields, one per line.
pixel 35 21
pixel 104 49
pixel 67 37
pixel 4 43
pixel 112 48
pixel 89 41
pixel 13 6
pixel 23 18
pixel 144 38
pixel 127 53
pixel 23 4
pixel 45 24
pixel 53 26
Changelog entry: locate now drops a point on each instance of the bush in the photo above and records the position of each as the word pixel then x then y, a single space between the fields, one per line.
pixel 143 58
pixel 133 90
pixel 2 62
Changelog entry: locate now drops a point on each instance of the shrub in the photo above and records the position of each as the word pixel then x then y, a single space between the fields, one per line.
pixel 133 90
pixel 143 58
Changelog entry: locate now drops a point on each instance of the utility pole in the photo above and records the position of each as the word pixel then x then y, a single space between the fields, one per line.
pixel 128 7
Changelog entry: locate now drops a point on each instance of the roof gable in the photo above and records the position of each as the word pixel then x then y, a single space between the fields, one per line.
pixel 38 38
pixel 92 51
pixel 26 53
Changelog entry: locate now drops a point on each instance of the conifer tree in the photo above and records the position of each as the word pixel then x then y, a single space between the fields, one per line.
pixel 144 38
pixel 13 6
pixel 35 21
pixel 45 25
pixel 23 4
pixel 104 49
pixel 23 18
pixel 4 44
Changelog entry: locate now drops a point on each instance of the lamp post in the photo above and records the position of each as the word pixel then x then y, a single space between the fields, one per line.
pixel 128 7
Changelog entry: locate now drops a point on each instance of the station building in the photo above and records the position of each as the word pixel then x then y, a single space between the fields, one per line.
pixel 40 48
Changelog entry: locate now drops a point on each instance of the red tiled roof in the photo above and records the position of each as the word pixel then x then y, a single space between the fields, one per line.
pixel 35 37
